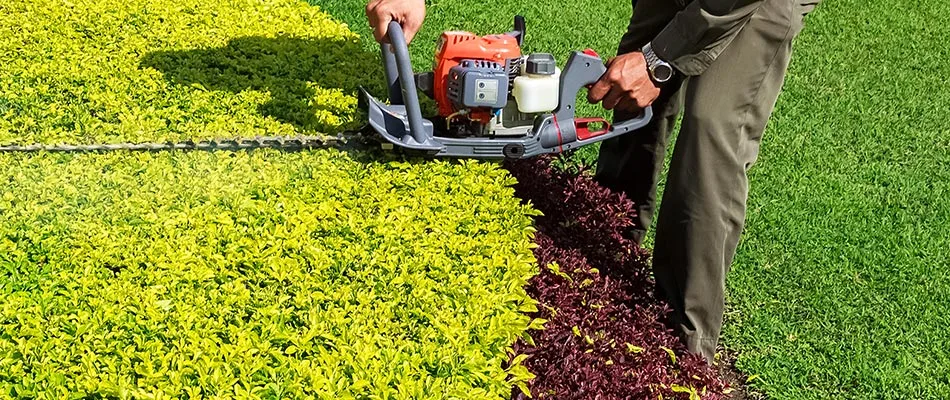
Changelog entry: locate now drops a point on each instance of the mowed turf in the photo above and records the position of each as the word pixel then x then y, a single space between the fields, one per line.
pixel 840 287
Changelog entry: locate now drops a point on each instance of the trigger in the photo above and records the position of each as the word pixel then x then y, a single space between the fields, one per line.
pixel 589 51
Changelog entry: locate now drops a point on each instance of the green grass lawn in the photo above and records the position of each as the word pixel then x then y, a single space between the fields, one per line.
pixel 840 287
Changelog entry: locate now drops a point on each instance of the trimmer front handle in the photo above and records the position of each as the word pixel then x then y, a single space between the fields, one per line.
pixel 402 87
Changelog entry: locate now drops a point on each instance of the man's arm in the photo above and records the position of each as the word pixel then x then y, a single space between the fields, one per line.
pixel 689 43
pixel 699 33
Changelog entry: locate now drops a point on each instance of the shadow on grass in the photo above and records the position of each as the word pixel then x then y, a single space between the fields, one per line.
pixel 290 68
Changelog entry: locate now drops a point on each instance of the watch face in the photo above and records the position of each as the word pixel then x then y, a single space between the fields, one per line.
pixel 662 73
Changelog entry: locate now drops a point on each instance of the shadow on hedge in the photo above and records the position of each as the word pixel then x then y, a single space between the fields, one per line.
pixel 288 67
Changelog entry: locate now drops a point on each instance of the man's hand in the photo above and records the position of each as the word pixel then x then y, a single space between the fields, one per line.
pixel 626 85
pixel 409 14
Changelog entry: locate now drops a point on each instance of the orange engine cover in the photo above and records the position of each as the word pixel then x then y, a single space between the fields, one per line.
pixel 453 47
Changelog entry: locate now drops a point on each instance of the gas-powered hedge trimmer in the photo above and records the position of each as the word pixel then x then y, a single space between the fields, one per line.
pixel 493 103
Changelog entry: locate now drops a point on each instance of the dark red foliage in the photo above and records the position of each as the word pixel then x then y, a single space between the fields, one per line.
pixel 593 315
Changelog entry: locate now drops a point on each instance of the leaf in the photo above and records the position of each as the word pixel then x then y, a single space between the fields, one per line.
pixel 556 270
pixel 634 349
pixel 537 324
pixel 519 359
pixel 670 353
pixel 523 387
pixel 680 389
pixel 164 304
pixel 693 395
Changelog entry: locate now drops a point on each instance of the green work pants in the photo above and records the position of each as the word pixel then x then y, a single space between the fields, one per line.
pixel 725 109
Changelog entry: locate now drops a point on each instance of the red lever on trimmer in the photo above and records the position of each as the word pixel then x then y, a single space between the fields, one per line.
pixel 583 131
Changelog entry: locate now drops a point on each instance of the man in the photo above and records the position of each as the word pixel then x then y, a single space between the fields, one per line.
pixel 721 63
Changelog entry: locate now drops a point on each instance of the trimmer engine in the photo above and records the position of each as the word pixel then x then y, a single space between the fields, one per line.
pixel 477 82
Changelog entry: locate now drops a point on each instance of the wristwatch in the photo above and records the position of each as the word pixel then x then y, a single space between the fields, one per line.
pixel 660 71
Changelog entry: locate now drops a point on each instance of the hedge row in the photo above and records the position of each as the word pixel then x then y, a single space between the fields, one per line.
pixel 606 335
pixel 259 274
pixel 100 71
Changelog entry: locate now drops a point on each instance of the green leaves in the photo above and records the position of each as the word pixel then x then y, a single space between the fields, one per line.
pixel 260 274
pixel 138 70
pixel 236 275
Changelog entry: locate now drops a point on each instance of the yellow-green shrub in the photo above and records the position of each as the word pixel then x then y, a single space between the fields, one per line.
pixel 98 71
pixel 313 274
pixel 258 274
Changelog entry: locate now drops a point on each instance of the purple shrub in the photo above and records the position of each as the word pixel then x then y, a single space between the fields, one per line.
pixel 606 335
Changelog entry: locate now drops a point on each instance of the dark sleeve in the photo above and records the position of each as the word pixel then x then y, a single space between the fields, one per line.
pixel 699 33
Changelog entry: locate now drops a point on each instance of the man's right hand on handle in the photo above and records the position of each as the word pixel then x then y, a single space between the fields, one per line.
pixel 408 13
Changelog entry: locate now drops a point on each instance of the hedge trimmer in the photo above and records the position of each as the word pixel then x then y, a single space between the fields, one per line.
pixel 493 103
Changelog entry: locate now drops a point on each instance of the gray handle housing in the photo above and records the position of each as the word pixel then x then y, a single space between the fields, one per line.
pixel 580 71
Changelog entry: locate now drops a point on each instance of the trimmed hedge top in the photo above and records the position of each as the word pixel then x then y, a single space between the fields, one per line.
pixel 261 274
pixel 144 70
pixel 278 275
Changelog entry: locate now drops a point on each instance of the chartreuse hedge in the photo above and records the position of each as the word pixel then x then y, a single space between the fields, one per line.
pixel 84 71
pixel 264 274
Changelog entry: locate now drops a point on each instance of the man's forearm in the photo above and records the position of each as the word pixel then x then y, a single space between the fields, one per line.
pixel 699 33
